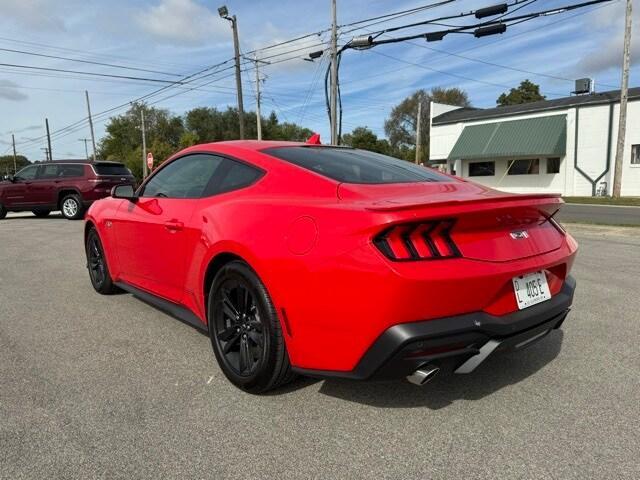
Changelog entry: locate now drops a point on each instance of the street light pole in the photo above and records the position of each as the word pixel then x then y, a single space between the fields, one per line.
pixel 624 90
pixel 144 145
pixel 334 74
pixel 224 13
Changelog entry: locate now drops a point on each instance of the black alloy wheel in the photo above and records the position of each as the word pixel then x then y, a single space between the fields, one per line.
pixel 97 265
pixel 245 330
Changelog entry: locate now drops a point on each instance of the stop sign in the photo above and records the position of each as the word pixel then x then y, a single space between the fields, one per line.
pixel 150 161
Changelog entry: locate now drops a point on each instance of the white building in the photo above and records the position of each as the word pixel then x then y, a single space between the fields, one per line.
pixel 566 146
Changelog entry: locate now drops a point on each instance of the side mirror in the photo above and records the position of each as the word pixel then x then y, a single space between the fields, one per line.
pixel 125 192
pixel 8 178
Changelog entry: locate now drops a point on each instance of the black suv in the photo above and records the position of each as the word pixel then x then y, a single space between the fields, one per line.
pixel 65 185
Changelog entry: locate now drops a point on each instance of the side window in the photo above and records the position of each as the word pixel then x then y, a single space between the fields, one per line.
pixel 48 171
pixel 186 177
pixel 232 175
pixel 71 171
pixel 27 173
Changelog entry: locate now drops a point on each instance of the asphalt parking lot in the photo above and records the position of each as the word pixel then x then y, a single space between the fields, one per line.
pixel 108 387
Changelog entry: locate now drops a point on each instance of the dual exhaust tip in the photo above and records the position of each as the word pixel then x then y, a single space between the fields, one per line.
pixel 423 374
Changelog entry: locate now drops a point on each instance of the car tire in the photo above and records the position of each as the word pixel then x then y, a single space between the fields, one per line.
pixel 71 207
pixel 97 265
pixel 3 211
pixel 245 331
pixel 40 213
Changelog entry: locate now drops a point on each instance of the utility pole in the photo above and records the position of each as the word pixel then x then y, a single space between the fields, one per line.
pixel 49 152
pixel 418 125
pixel 15 162
pixel 224 13
pixel 86 150
pixel 144 145
pixel 46 153
pixel 622 122
pixel 258 112
pixel 334 74
pixel 93 138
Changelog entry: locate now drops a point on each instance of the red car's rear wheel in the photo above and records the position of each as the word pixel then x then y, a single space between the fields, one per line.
pixel 245 331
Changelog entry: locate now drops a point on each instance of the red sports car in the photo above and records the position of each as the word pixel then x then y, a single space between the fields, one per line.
pixel 333 262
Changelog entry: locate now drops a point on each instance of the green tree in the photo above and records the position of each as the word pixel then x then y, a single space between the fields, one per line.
pixel 525 93
pixel 6 164
pixel 364 138
pixel 401 125
pixel 123 139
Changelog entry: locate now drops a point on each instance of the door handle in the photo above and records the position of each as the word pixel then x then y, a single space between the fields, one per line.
pixel 173 226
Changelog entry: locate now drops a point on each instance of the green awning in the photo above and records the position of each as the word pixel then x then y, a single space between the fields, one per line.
pixel 531 137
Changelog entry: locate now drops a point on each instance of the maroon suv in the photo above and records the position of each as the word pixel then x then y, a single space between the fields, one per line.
pixel 68 186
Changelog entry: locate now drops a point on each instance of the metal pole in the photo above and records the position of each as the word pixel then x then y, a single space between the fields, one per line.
pixel 15 162
pixel 49 152
pixel 144 145
pixel 418 125
pixel 258 118
pixel 622 122
pixel 334 74
pixel 93 138
pixel 236 47
pixel 86 151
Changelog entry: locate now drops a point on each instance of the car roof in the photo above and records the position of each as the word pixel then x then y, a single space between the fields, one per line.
pixel 83 161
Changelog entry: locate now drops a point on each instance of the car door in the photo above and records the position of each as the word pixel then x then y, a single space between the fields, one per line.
pixel 43 187
pixel 154 234
pixel 17 194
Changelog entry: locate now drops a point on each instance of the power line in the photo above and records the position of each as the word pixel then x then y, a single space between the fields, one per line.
pixel 90 62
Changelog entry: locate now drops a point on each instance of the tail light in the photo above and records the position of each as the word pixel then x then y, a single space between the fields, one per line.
pixel 418 241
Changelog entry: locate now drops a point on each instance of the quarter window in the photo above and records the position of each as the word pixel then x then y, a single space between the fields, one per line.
pixel 524 167
pixel 482 169
pixel 635 155
pixel 27 173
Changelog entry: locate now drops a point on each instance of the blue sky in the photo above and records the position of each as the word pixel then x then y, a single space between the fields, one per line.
pixel 180 37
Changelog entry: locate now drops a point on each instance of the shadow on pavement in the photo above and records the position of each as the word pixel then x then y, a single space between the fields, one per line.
pixel 32 217
pixel 495 373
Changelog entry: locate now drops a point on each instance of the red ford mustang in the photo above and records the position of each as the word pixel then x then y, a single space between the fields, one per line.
pixel 333 262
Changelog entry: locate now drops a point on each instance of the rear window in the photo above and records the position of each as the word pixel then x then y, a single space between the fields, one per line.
pixel 111 169
pixel 355 166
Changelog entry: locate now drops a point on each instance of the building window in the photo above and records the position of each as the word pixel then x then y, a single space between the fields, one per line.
pixel 482 169
pixel 524 167
pixel 635 155
pixel 553 165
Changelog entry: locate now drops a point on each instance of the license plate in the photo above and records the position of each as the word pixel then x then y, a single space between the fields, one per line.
pixel 531 289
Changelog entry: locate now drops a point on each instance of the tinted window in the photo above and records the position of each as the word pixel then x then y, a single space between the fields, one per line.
pixel 71 170
pixel 186 177
pixel 27 173
pixel 482 169
pixel 232 175
pixel 48 171
pixel 111 169
pixel 524 167
pixel 355 166
pixel 553 165
pixel 635 155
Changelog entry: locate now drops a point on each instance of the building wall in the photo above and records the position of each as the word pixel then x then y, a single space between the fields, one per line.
pixel 593 142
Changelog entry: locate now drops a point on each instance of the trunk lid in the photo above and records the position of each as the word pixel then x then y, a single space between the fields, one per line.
pixel 489 225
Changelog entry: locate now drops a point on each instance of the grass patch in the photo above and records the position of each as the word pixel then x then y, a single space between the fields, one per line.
pixel 625 201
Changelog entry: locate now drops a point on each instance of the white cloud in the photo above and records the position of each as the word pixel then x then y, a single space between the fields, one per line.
pixel 36 14
pixel 9 91
pixel 182 22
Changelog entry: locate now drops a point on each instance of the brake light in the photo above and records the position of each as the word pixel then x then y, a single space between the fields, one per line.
pixel 418 241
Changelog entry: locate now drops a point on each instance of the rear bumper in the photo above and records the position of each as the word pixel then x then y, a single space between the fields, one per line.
pixel 403 348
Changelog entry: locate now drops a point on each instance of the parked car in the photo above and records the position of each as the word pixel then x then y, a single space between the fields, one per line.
pixel 333 262
pixel 68 186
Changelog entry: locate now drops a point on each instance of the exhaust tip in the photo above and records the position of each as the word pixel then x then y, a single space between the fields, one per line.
pixel 423 375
